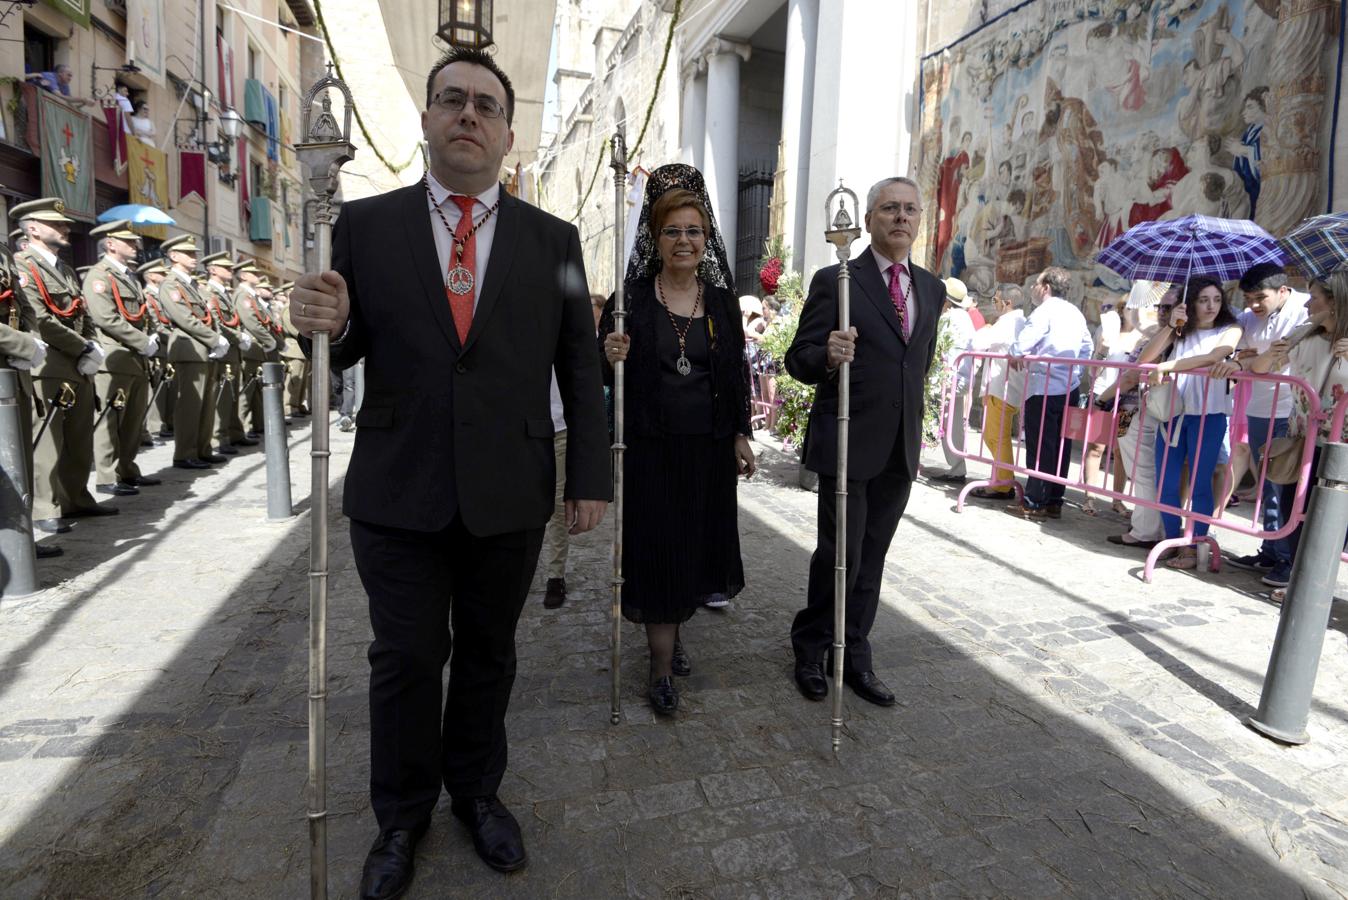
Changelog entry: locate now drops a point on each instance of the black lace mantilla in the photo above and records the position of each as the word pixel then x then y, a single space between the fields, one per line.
pixel 645 259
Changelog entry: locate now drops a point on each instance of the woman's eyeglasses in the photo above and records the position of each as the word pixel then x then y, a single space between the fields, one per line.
pixel 692 232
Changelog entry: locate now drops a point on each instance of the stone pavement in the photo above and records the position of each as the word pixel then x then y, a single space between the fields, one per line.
pixel 1062 730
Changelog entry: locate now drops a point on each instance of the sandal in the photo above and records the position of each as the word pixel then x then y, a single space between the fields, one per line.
pixel 1121 508
pixel 1277 595
pixel 1088 507
pixel 1184 559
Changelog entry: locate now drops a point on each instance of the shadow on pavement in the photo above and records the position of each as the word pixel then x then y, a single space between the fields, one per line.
pixel 969 788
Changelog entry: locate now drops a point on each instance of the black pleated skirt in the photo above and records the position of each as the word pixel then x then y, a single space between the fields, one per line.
pixel 681 537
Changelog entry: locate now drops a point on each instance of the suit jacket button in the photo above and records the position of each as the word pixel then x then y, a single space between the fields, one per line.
pixel 460 368
pixel 896 404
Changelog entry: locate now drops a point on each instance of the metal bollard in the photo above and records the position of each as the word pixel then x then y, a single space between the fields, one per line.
pixel 274 442
pixel 17 553
pixel 360 387
pixel 1285 703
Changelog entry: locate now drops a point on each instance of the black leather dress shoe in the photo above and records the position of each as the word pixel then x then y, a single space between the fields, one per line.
pixel 496 834
pixel 226 450
pixel 93 512
pixel 146 481
pixel 190 464
pixel 555 595
pixel 166 432
pixel 212 458
pixel 253 435
pixel 388 867
pixel 949 478
pixel 810 680
pixel 47 551
pixel 664 696
pixel 120 489
pixel 681 665
pixel 869 688
pixel 51 526
pixel 147 442
pixel 246 441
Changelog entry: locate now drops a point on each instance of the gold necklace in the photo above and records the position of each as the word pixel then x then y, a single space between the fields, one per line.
pixel 681 364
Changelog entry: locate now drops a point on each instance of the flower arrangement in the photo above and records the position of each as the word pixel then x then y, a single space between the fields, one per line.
pixel 773 263
pixel 938 379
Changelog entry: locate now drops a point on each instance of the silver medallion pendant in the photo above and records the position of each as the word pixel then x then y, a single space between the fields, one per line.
pixel 683 365
pixel 460 280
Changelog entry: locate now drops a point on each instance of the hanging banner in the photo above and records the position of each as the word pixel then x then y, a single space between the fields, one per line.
pixel 67 156
pixel 149 183
pixel 224 58
pixel 1054 128
pixel 77 10
pixel 145 37
pixel 191 174
pixel 117 128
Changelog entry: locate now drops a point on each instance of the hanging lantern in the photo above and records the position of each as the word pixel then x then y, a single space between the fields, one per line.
pixel 465 23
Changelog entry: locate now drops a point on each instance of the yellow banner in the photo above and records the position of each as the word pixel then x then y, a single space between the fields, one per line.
pixel 148 183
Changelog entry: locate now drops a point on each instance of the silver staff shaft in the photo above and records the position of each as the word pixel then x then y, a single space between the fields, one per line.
pixel 841 233
pixel 319 395
pixel 327 146
pixel 619 164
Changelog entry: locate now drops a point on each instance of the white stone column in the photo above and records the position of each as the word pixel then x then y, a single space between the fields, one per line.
pixel 721 157
pixel 692 134
pixel 802 22
pixel 865 79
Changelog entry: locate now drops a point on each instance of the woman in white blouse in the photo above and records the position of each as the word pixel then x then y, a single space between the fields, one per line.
pixel 1203 331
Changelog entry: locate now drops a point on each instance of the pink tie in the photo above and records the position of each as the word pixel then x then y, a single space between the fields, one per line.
pixel 900 301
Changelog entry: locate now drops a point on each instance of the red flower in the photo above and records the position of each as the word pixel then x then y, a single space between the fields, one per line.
pixel 769 274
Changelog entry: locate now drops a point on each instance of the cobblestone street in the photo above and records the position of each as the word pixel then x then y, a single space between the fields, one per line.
pixel 1062 729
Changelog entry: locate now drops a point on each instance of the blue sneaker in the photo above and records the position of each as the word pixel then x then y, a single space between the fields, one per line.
pixel 1279 576
pixel 1255 562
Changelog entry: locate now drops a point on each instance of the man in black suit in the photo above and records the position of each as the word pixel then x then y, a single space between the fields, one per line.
pixel 462 301
pixel 895 307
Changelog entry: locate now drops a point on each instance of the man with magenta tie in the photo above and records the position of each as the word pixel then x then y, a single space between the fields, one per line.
pixel 895 307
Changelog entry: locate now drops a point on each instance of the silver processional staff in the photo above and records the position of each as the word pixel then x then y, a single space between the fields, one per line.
pixel 841 234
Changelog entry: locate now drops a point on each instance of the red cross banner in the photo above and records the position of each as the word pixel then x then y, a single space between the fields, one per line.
pixel 148 183
pixel 67 156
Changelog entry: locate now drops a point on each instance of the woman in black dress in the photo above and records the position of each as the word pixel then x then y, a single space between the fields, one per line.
pixel 687 420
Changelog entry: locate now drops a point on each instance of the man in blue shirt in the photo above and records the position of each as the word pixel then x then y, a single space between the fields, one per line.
pixel 1055 329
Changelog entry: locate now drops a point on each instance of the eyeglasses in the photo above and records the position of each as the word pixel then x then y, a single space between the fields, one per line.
pixel 1164 307
pixel 692 232
pixel 892 210
pixel 453 99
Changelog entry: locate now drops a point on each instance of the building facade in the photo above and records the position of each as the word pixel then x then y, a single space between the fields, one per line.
pixel 1038 131
pixel 137 104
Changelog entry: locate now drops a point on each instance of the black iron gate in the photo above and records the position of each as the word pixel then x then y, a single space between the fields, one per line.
pixel 755 215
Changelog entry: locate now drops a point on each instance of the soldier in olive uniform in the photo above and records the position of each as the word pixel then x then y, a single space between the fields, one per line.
pixel 22 350
pixel 256 320
pixel 160 419
pixel 65 453
pixel 298 370
pixel 196 347
pixel 229 427
pixel 128 333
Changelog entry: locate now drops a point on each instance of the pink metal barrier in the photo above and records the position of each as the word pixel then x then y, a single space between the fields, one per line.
pixel 1099 426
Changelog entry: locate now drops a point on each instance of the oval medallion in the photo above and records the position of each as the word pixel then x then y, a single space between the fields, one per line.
pixel 460 280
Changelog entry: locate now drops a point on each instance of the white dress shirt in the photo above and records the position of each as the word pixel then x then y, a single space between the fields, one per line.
pixel 1259 334
pixel 444 240
pixel 1000 380
pixel 1056 328
pixel 905 281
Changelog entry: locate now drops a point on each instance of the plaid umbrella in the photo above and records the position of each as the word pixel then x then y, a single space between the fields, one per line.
pixel 1318 245
pixel 1194 245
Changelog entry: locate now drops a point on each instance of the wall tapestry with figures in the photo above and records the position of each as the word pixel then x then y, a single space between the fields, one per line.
pixel 1058 125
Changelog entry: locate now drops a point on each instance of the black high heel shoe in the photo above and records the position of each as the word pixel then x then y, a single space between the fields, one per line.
pixel 664 696
pixel 681 665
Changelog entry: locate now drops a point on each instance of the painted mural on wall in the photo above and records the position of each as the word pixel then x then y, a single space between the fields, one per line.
pixel 1055 128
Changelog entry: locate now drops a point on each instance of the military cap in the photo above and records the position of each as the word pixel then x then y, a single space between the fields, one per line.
pixel 183 243
pixel 16 234
pixel 245 265
pixel 154 265
pixel 121 228
pixel 220 259
pixel 286 286
pixel 48 209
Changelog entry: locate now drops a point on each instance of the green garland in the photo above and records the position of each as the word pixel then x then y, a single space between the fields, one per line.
pixel 794 399
pixel 650 109
pixel 332 51
pixel 938 379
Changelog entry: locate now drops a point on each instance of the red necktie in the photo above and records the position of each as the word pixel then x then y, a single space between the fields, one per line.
pixel 900 301
pixel 461 305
